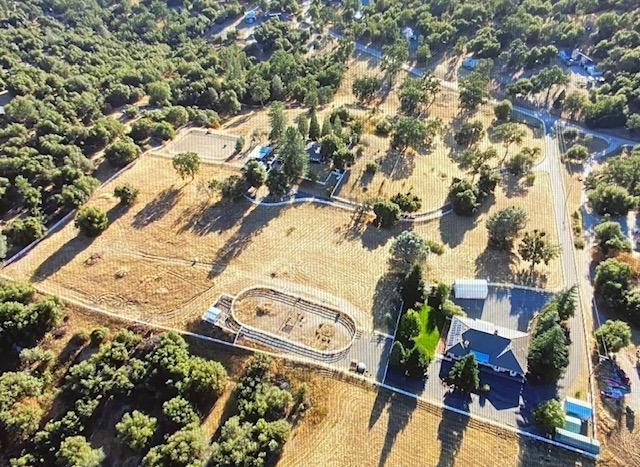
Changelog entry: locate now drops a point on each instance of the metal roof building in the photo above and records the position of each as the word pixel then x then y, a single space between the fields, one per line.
pixel 471 288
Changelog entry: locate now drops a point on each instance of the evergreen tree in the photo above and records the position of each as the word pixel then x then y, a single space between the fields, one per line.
pixel 548 356
pixel 314 126
pixel 464 374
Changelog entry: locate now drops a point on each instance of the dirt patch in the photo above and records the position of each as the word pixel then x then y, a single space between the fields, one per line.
pixel 295 319
pixel 210 145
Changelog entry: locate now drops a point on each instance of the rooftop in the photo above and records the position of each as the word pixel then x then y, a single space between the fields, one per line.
pixel 491 344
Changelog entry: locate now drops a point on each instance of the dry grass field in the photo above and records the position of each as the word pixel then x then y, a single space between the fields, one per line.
pixel 170 255
pixel 347 424
pixel 356 426
pixel 427 173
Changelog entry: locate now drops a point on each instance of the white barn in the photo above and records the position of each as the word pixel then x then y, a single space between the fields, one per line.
pixel 471 288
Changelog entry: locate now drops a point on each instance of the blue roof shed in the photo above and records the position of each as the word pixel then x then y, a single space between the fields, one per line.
pixel 578 408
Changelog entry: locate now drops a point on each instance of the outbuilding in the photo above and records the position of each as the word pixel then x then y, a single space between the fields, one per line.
pixel 471 288
pixel 211 315
pixel 578 408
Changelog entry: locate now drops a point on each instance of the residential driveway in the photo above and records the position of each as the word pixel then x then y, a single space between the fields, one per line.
pixel 509 400
pixel 508 307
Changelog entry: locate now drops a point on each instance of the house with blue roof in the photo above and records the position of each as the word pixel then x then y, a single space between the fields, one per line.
pixel 499 348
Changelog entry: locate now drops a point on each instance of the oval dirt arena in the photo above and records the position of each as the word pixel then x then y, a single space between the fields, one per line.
pixel 295 318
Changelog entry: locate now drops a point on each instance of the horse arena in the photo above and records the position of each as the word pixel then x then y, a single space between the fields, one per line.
pixel 209 145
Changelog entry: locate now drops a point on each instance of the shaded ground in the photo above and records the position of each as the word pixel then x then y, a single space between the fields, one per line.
pixel 361 427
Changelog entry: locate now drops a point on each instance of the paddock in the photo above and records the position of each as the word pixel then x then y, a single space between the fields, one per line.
pixel 210 145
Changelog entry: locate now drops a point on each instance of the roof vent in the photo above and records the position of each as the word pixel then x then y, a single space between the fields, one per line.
pixel 466 343
pixel 495 331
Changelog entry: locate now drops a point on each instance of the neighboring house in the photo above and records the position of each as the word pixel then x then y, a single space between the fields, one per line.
pixel 313 151
pixel 502 349
pixel 262 153
pixel 565 56
pixel 469 62
pixel 250 17
pixel 408 34
pixel 581 59
pixel 5 98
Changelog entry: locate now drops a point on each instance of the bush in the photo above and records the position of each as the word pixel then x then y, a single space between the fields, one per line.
pixel 613 336
pixel 407 249
pixel 423 54
pixel 371 168
pixel 505 225
pixel 91 221
pixel 76 451
pixel 548 356
pixel 239 145
pixel 463 197
pixel 612 281
pixel 412 289
pixel 99 335
pixel 503 110
pixel 387 213
pixel 233 187
pixel 180 411
pixel 549 415
pixel 383 127
pixel 22 232
pixel 135 429
pixel 610 237
pixel 408 327
pixel 126 193
pixel 254 173
pixel 407 202
pixel 464 374
pixel 122 152
pixel 611 199
pixel 577 152
pixel 435 247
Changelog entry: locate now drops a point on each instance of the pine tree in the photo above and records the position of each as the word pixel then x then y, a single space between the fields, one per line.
pixel 314 126
pixel 327 128
pixel 464 374
pixel 548 355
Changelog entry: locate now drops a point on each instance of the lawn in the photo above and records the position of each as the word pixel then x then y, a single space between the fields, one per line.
pixel 429 335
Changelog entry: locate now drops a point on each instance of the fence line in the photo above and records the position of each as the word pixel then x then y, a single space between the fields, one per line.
pixel 323 367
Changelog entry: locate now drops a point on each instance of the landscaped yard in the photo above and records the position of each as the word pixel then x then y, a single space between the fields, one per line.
pixel 429 335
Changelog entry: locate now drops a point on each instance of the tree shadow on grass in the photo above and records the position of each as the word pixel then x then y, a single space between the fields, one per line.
pixel 397 165
pixel 217 217
pixel 157 208
pixel 251 225
pixel 400 408
pixel 513 185
pixel 373 237
pixel 72 248
pixel 533 278
pixel 386 300
pixel 495 265
pixel 452 427
pixel 63 256
pixel 453 228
